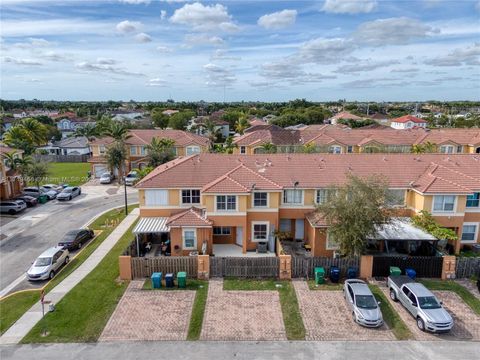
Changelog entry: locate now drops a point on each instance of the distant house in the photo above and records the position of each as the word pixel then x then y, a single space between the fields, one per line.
pixel 129 115
pixel 268 118
pixel 67 126
pixel 196 125
pixel 344 115
pixel 257 122
pixel 49 113
pixel 169 112
pixel 407 122
pixel 69 146
pixel 380 118
pixel 7 122
pixel 19 114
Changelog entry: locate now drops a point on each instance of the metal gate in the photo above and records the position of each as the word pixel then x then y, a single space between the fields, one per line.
pixel 425 266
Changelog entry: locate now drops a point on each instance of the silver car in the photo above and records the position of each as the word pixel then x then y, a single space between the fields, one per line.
pixel 106 178
pixel 50 187
pixel 12 206
pixel 48 264
pixel 364 306
pixel 69 193
pixel 131 178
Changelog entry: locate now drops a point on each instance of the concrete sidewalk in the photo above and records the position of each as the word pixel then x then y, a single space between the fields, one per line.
pixel 23 325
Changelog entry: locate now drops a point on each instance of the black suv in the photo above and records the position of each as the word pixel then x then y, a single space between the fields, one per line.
pixel 74 239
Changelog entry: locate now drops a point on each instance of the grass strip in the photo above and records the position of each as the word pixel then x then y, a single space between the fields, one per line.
pixel 390 316
pixel 329 286
pixel 461 291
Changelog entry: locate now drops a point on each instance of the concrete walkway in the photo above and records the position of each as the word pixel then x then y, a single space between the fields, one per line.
pixel 23 325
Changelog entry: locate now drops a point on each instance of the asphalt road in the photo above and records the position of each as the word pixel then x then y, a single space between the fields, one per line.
pixel 26 237
pixel 404 350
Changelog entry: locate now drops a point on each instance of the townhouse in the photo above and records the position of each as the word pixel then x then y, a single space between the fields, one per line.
pixel 210 199
pixel 11 182
pixel 136 146
pixel 408 122
pixel 341 139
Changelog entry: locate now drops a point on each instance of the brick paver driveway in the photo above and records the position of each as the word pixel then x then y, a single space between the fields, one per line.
pixel 242 315
pixel 327 317
pixel 467 323
pixel 150 315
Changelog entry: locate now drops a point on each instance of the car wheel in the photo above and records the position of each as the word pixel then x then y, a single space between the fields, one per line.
pixel 11 212
pixel 420 324
pixel 69 198
pixel 393 295
pixel 51 275
pixel 67 260
pixel 79 192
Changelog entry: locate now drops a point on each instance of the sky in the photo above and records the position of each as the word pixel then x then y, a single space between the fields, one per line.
pixel 147 50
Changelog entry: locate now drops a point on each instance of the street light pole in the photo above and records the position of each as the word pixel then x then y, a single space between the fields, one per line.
pixel 125 190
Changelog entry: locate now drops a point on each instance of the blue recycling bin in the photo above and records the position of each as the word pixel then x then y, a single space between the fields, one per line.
pixel 156 280
pixel 169 280
pixel 352 272
pixel 334 274
pixel 411 273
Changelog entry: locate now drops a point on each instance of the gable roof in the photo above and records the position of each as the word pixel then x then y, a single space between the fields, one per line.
pixel 72 142
pixel 190 217
pixel 407 118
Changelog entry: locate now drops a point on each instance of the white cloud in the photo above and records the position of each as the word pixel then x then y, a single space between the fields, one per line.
pixel 33 43
pixel 203 39
pixel 163 15
pixel 135 2
pixel 54 56
pixel 278 20
pixel 349 6
pixel 477 6
pixel 67 26
pixel 156 82
pixel 106 61
pixel 17 61
pixel 288 71
pixel 218 75
pixel 406 70
pixel 325 51
pixel 220 54
pixel 392 31
pixel 143 38
pixel 204 17
pixel 365 66
pixel 164 49
pixel 457 57
pixel 102 67
pixel 127 26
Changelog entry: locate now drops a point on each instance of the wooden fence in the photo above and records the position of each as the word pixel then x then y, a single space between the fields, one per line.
pixel 61 158
pixel 244 267
pixel 144 267
pixel 304 267
pixel 467 267
pixel 424 266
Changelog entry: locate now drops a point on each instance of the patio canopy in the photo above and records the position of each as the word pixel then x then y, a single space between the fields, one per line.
pixel 151 225
pixel 401 229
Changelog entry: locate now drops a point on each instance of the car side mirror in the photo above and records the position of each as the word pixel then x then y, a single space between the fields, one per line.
pixel 351 301
pixel 414 305
pixel 379 302
pixel 441 302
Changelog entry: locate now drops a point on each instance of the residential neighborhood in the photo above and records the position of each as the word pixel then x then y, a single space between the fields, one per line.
pixel 239 180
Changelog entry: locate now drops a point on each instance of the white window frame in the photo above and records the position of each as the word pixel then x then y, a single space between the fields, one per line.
pixel 475 236
pixel 403 200
pixel 189 150
pixel 223 231
pixel 329 246
pixel 317 192
pixel 335 149
pixel 133 150
pixel 260 206
pixel 459 149
pixel 156 197
pixel 267 224
pixel 443 204
pixel 226 202
pixel 194 230
pixel 293 203
pixel 191 197
pixel 445 149
pixel 143 150
pixel 101 149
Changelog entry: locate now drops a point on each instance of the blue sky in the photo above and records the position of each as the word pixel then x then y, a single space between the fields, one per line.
pixel 366 50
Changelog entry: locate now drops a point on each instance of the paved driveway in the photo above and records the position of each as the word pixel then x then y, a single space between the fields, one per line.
pixel 150 315
pixel 242 315
pixel 327 317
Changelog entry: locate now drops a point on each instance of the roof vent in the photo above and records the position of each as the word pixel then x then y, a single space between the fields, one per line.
pixel 384 158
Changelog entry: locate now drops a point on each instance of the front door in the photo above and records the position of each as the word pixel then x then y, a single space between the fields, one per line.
pixel 239 236
pixel 299 229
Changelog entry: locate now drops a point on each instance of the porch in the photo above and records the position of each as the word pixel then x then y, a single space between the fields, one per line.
pixel 230 250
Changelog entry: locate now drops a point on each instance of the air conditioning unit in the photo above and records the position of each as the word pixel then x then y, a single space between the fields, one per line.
pixel 262 247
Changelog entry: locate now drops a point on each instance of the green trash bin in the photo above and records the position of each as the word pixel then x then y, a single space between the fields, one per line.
pixel 182 279
pixel 319 275
pixel 395 271
pixel 42 199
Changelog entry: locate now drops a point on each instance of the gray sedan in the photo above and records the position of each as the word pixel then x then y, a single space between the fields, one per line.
pixel 364 306
pixel 69 193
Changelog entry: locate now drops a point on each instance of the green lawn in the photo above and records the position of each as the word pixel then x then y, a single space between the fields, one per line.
pixel 390 316
pixel 288 302
pixel 450 285
pixel 198 311
pixel 13 307
pixel 67 173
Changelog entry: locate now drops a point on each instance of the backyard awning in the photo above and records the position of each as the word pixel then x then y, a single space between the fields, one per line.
pixel 401 229
pixel 151 225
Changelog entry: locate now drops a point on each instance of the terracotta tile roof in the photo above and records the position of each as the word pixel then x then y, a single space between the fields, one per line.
pixel 6 150
pixel 315 171
pixel 190 217
pixel 96 159
pixel 406 118
pixel 346 115
pixel 316 219
pixel 269 134
pixel 464 136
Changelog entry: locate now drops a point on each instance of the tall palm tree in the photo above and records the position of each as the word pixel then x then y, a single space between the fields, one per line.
pixel 213 133
pixel 116 155
pixel 269 148
pixel 11 160
pixel 229 145
pixel 37 131
pixel 89 131
pixel 117 131
pixel 159 151
pixel 241 125
pixel 19 138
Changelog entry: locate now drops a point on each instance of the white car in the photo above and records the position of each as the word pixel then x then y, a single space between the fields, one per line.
pixel 12 206
pixel 48 263
pixel 106 178
pixel 131 178
pixel 50 187
pixel 362 303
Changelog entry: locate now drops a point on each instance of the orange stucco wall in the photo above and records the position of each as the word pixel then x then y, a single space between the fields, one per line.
pixel 177 240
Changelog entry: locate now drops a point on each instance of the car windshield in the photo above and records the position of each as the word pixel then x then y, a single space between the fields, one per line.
pixel 366 302
pixel 43 261
pixel 131 175
pixel 67 191
pixel 428 302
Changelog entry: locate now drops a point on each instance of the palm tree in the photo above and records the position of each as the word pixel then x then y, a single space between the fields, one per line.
pixel 89 131
pixel 36 131
pixel 11 160
pixel 159 151
pixel 309 148
pixel 213 133
pixel 116 155
pixel 426 147
pixel 18 137
pixel 229 145
pixel 36 172
pixel 241 125
pixel 269 148
pixel 430 147
pixel 117 131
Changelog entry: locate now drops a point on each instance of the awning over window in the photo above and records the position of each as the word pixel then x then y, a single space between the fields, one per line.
pixel 151 225
pixel 401 229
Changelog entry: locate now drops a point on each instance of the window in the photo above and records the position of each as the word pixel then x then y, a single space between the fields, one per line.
pixel 331 243
pixel 222 230
pixel 260 199
pixel 459 148
pixel 190 196
pixel 226 202
pixel 143 150
pixel 102 149
pixel 443 203
pixel 323 195
pixel 350 149
pixel 469 232
pixel 446 149
pixel 396 197
pixel 293 196
pixel 243 150
pixel 133 150
pixel 156 197
pixel 191 150
pixel 260 231
pixel 335 149
pixel 473 200
pixel 189 238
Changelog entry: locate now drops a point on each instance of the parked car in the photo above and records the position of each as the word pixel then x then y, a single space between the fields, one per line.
pixel 12 206
pixel 48 263
pixel 74 239
pixel 30 201
pixel 34 191
pixel 364 306
pixel 131 178
pixel 54 187
pixel 106 178
pixel 51 194
pixel 420 303
pixel 69 193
